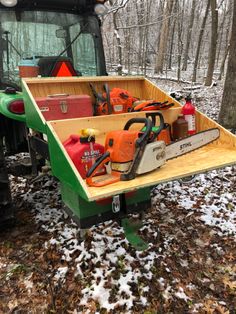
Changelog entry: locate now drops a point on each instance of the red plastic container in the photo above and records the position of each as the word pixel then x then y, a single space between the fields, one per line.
pixel 83 151
pixel 63 106
pixel 28 67
pixel 28 71
pixel 188 111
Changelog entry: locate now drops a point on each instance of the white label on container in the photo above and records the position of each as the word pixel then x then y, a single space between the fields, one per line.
pixel 44 109
pixel 118 108
pixel 190 118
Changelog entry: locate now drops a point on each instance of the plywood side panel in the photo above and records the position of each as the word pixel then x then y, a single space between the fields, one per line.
pixel 227 139
pixel 43 90
pixel 139 87
pixel 64 128
pixel 49 80
pixel 46 86
pixel 151 91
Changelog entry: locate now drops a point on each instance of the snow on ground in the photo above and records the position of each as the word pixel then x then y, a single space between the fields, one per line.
pixel 114 277
pixel 105 257
pixel 218 206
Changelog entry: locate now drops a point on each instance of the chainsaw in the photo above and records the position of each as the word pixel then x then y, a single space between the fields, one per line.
pixel 130 153
pixel 113 101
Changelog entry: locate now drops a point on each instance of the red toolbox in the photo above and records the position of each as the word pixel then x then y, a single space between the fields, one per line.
pixel 64 106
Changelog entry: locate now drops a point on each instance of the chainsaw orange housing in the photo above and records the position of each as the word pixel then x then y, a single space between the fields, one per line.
pixel 121 145
pixel 165 136
pixel 121 101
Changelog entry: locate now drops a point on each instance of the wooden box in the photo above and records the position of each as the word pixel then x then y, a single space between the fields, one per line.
pixel 220 153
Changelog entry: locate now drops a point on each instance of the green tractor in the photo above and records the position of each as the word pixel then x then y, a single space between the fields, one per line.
pixel 48 32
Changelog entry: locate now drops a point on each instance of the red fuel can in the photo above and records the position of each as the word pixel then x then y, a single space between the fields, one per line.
pixel 83 151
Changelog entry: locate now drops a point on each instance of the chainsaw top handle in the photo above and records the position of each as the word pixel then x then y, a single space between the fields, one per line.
pixel 146 133
pixel 153 115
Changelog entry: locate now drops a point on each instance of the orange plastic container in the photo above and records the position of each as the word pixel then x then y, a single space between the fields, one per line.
pixel 28 68
pixel 28 71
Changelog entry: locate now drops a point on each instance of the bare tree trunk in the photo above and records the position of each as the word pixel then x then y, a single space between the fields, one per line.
pixel 118 40
pixel 171 44
pixel 163 36
pixel 221 32
pixel 145 44
pixel 140 15
pixel 189 34
pixel 222 67
pixel 214 37
pixel 227 39
pixel 180 42
pixel 200 42
pixel 227 116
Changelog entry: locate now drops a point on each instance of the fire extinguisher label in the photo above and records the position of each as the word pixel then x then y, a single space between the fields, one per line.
pixel 191 122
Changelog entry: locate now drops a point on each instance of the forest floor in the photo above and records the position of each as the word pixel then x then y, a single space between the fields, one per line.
pixel 189 266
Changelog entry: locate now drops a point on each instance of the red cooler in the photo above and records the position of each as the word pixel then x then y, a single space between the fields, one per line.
pixel 64 106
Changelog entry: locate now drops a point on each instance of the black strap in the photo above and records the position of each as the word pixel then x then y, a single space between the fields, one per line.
pixel 107 90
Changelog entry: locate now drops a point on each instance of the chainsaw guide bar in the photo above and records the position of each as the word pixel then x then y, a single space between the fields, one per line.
pixel 191 143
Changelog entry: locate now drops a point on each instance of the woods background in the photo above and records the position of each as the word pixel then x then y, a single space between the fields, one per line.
pixel 154 36
pixel 180 39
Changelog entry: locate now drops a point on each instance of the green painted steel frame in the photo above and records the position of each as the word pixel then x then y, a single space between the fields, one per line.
pixel 90 213
pixel 34 119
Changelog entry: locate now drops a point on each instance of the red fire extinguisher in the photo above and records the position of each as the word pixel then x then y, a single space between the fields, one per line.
pixel 188 111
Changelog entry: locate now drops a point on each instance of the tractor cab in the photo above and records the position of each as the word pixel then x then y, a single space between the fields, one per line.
pixel 61 38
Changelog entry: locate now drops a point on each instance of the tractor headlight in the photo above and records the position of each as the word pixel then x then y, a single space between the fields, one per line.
pixel 8 3
pixel 100 9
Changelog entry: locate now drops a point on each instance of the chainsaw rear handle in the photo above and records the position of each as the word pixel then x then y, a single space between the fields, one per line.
pixel 146 133
pixel 153 115
pixel 140 147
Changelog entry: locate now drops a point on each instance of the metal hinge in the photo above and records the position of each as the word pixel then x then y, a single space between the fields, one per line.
pixel 116 204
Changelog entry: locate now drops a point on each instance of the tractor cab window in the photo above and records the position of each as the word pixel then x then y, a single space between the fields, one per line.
pixel 82 51
pixel 36 35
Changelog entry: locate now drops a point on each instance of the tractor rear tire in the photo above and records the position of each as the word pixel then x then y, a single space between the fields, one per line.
pixel 7 211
